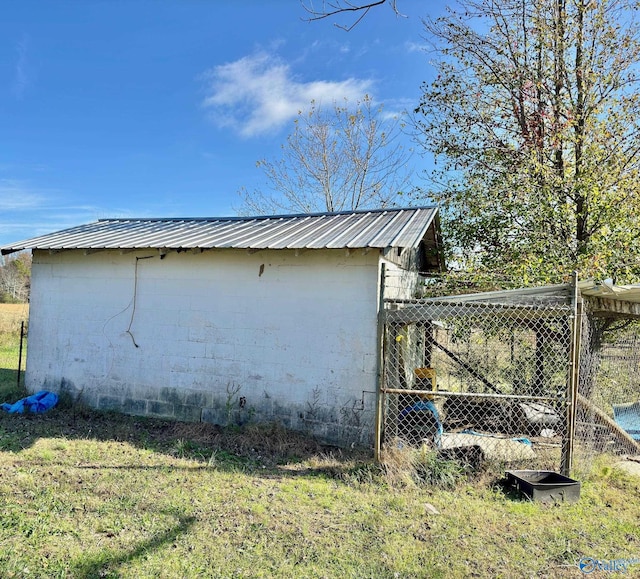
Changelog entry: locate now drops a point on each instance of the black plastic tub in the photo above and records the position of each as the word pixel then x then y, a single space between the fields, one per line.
pixel 545 485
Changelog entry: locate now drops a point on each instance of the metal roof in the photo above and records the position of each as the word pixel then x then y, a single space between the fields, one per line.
pixel 381 228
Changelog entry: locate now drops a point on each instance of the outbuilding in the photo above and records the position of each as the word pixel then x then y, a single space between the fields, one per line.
pixel 225 320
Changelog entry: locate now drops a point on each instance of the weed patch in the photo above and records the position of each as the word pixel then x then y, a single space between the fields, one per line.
pixel 406 466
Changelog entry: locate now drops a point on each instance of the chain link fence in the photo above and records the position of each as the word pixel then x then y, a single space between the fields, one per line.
pixel 608 400
pixel 479 381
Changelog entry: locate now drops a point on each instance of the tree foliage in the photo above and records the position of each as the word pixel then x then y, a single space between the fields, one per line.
pixel 533 118
pixel 337 159
pixel 15 279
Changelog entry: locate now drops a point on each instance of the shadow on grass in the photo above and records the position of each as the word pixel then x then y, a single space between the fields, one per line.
pixel 9 388
pixel 503 486
pixel 105 564
pixel 263 449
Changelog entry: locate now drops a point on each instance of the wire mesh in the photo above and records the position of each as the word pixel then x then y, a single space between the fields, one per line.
pixel 480 381
pixel 608 402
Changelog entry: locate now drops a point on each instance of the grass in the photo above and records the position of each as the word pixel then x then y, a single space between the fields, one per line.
pixel 86 494
pixel 10 317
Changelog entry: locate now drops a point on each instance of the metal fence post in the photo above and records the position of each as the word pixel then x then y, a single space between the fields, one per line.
pixel 20 352
pixel 572 382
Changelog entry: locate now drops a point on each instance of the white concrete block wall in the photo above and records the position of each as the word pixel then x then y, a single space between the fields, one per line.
pixel 221 336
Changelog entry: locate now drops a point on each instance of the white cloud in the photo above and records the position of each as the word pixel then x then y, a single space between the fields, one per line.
pixel 27 211
pixel 259 93
pixel 15 196
pixel 398 108
pixel 21 78
pixel 416 47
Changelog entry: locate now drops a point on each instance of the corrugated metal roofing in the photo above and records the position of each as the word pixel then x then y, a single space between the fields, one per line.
pixel 351 229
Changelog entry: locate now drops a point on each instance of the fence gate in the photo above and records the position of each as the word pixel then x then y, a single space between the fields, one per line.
pixel 480 379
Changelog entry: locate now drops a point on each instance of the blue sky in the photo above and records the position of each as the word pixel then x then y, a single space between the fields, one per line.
pixel 162 108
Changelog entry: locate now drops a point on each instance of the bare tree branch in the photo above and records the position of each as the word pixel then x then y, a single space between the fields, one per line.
pixel 338 7
pixel 341 158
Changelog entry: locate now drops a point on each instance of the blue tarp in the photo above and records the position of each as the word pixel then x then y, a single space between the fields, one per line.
pixel 36 403
pixel 428 406
pixel 628 418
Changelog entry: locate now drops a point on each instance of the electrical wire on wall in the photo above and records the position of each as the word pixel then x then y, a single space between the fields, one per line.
pixel 134 300
pixel 106 323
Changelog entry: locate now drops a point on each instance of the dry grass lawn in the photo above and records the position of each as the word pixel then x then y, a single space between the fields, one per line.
pixel 11 315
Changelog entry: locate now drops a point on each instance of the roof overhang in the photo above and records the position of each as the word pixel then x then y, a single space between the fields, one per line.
pixel 367 229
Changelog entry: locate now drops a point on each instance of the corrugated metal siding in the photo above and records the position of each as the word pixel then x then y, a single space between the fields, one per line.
pixel 356 229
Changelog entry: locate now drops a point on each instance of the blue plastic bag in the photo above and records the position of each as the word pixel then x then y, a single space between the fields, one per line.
pixel 36 403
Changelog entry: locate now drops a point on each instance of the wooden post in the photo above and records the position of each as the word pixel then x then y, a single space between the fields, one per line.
pixel 380 368
pixel 20 353
pixel 394 374
pixel 427 328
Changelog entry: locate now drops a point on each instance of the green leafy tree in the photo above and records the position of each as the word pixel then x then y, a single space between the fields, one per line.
pixel 534 121
pixel 336 159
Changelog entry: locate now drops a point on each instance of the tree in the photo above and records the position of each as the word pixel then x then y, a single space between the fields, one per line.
pixel 340 8
pixel 335 159
pixel 534 119
pixel 15 278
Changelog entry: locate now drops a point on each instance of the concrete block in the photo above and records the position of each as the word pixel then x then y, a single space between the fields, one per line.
pixel 193 346
pixel 181 380
pixel 221 351
pixel 197 398
pixel 134 406
pixel 201 334
pixel 89 397
pixel 161 409
pixel 187 413
pixel 172 395
pixel 214 416
pixel 110 403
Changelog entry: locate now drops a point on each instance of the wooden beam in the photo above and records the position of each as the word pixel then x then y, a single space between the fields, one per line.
pixel 611 306
pixel 614 428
